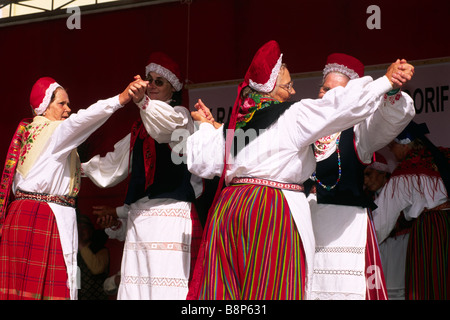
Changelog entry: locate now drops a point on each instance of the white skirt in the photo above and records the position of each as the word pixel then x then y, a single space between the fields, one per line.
pixel 156 257
pixel 339 259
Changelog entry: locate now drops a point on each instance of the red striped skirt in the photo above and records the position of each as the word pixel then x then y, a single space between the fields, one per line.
pixel 32 264
pixel 196 239
pixel 252 247
pixel 375 281
pixel 427 274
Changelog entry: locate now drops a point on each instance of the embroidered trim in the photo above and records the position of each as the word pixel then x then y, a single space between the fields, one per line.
pixel 166 73
pixel 270 84
pixel 392 99
pixel 44 197
pixel 177 213
pixel 12 158
pixel 355 250
pixel 336 67
pixel 46 101
pixel 170 246
pixel 323 145
pixel 357 273
pixel 30 136
pixel 268 183
pixel 156 281
pixel 314 176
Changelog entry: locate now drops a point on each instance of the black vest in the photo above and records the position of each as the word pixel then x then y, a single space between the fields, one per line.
pixel 170 181
pixel 349 190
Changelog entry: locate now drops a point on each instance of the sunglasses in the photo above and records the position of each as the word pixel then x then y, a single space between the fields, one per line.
pixel 158 82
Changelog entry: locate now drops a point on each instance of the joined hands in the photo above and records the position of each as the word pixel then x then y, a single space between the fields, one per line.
pixel 135 91
pixel 399 73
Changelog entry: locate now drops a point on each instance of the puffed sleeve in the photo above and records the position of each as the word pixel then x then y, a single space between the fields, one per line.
pixel 111 169
pixel 339 109
pixel 161 119
pixel 79 126
pixel 205 151
pixel 390 204
pixel 378 130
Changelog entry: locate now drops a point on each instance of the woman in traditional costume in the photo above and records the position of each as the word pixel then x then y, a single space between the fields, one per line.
pixel 418 189
pixel 158 222
pixel 258 241
pixel 347 262
pixel 39 239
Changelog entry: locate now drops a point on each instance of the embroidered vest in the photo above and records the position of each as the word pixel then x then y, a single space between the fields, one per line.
pixel 35 139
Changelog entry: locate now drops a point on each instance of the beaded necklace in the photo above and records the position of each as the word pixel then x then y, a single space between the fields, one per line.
pixel 314 177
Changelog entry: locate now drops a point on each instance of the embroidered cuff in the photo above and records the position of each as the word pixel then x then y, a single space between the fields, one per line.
pixel 393 96
pixel 143 104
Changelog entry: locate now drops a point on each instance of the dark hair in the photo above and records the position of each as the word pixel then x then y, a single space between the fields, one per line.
pixel 54 94
pixel 177 98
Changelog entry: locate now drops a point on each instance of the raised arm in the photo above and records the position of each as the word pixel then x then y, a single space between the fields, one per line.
pixel 79 126
pixel 343 107
pixel 390 118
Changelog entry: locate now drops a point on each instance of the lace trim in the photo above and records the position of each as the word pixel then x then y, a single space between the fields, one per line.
pixel 164 246
pixel 156 281
pixel 166 73
pixel 355 250
pixel 336 67
pixel 46 101
pixel 336 296
pixel 166 212
pixel 343 272
pixel 269 85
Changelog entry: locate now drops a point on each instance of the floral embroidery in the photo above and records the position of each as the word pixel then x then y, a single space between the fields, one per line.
pixel 9 169
pixel 392 99
pixel 77 180
pixel 253 103
pixel 322 145
pixel 29 137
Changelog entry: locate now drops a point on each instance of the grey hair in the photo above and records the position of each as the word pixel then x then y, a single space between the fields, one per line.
pixel 248 90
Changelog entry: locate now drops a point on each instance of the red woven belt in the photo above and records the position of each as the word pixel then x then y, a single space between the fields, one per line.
pixel 44 197
pixel 269 183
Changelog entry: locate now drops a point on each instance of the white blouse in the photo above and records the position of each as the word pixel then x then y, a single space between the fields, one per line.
pixel 161 120
pixel 51 174
pixel 283 152
pixel 345 227
pixel 408 193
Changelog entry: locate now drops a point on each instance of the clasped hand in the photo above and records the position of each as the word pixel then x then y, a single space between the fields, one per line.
pixel 399 73
pixel 135 91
